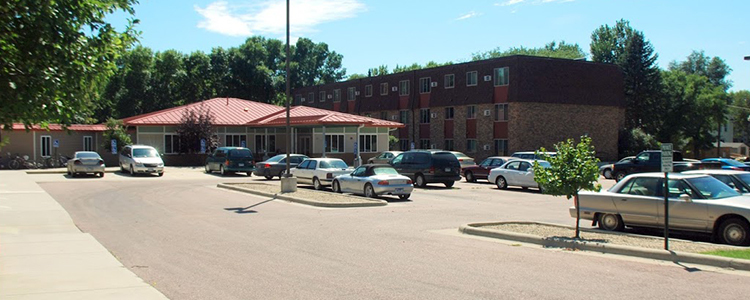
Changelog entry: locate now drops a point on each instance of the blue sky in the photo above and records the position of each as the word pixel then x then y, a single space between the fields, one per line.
pixel 370 33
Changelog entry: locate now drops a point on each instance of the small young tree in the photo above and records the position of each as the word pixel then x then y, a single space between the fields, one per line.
pixel 195 126
pixel 116 131
pixel 573 169
pixel 392 142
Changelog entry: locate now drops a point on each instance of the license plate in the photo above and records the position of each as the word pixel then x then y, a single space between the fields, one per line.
pixel 447 169
pixel 150 170
pixel 241 164
pixel 88 169
pixel 399 189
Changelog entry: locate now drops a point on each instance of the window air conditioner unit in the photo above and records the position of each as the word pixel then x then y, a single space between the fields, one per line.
pixel 433 115
pixel 302 99
pixel 394 88
pixel 486 147
pixel 487 112
pixel 356 93
pixel 330 96
pixel 487 77
pixel 394 117
pixel 433 84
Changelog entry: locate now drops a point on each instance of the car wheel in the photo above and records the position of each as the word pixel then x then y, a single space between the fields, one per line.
pixel 161 174
pixel 620 175
pixel 607 173
pixel 267 175
pixel 734 231
pixel 316 184
pixel 74 174
pixel 281 174
pixel 404 197
pixel 101 174
pixel 132 172
pixel 420 181
pixel 248 174
pixel 369 191
pixel 449 184
pixel 611 222
pixel 208 169
pixel 221 170
pixel 336 187
pixel 501 183
pixel 69 173
pixel 470 177
pixel 122 170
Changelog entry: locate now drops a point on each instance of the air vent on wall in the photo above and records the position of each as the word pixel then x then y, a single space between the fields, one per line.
pixel 330 96
pixel 303 99
pixel 487 77
pixel 394 117
pixel 487 112
pixel 394 88
pixel 433 115
pixel 356 93
pixel 433 84
pixel 486 147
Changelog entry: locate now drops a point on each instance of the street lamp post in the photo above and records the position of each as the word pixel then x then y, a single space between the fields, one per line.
pixel 288 183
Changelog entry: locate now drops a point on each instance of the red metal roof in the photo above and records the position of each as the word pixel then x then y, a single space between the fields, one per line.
pixel 226 112
pixel 303 115
pixel 58 127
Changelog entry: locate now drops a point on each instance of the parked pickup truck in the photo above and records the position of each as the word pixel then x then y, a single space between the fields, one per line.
pixel 320 171
pixel 650 161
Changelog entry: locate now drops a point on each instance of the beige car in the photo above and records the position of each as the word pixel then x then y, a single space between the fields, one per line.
pixel 698 203
pixel 86 162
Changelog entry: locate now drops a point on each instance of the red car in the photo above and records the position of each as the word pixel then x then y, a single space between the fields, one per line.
pixel 482 170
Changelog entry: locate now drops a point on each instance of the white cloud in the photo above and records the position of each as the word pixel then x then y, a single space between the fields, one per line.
pixel 269 17
pixel 471 14
pixel 509 2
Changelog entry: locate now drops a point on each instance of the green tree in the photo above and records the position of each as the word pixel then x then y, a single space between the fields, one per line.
pixel 713 68
pixel 633 141
pixel 573 169
pixel 56 57
pixel 392 142
pixel 198 85
pixel 116 130
pixel 740 112
pixel 552 49
pixel 168 78
pixel 628 48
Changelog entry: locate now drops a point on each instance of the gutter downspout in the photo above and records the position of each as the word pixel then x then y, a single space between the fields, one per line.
pixel 357 157
pixel 324 142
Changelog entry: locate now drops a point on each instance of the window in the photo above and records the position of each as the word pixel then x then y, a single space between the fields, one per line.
pixel 260 143
pixel 471 146
pixel 471 112
pixel 449 113
pixel 403 88
pixel 424 85
pixel 450 81
pixel 46 146
pixel 88 143
pixel 171 143
pixel 501 76
pixel 424 116
pixel 334 143
pixel 351 94
pixel 384 89
pixel 304 164
pixel 501 147
pixel 322 96
pixel 368 143
pixel 236 140
pixel 311 165
pixel 643 186
pixel 337 95
pixel 384 115
pixel 310 97
pixel 368 90
pixel 449 145
pixel 501 112
pixel 404 116
pixel 403 145
pixel 424 144
pixel 298 98
pixel 471 78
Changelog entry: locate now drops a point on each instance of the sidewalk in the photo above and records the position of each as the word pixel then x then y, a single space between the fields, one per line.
pixel 43 255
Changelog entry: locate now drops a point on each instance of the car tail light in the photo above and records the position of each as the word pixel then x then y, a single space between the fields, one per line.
pixel 101 162
pixel 735 168
pixel 267 166
pixel 432 170
pixel 226 163
pixel 383 182
pixel 77 162
pixel 409 182
pixel 329 175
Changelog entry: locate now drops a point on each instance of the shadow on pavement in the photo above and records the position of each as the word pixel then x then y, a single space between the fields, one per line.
pixel 247 210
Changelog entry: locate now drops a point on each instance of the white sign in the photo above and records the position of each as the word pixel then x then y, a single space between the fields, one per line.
pixel 56 143
pixel 666 158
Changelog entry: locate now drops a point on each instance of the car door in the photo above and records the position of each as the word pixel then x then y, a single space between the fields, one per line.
pixel 526 175
pixel 483 168
pixel 300 169
pixel 637 201
pixel 358 180
pixel 399 163
pixel 685 215
pixel 510 172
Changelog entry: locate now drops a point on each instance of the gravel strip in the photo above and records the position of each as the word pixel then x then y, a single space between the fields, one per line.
pixel 565 233
pixel 313 195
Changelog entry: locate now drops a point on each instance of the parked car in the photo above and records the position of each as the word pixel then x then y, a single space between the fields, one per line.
pixel 728 163
pixel 428 166
pixel 141 159
pixel 698 203
pixel 373 180
pixel 320 171
pixel 531 155
pixel 384 157
pixel 606 170
pixel 230 160
pixel 276 166
pixel 86 162
pixel 517 172
pixel 482 170
pixel 464 160
pixel 650 161
pixel 738 180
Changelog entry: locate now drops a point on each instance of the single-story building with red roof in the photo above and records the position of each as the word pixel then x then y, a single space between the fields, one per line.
pixel 236 122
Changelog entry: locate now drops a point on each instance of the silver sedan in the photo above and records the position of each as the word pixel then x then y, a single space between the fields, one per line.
pixel 372 180
pixel 86 162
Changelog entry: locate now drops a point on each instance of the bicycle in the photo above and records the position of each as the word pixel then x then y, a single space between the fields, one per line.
pixel 60 161
pixel 24 162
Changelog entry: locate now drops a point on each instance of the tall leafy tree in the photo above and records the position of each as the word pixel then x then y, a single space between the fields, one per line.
pixel 713 68
pixel 198 85
pixel 56 57
pixel 551 49
pixel 136 89
pixel 167 81
pixel 740 112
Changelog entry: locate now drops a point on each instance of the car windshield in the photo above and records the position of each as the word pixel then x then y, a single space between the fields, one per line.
pixel 276 158
pixel 87 155
pixel 145 152
pixel 333 164
pixel 712 188
pixel 240 153
pixel 384 171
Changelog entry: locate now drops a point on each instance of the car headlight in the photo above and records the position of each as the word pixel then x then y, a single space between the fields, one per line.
pixel 139 164
pixel 160 164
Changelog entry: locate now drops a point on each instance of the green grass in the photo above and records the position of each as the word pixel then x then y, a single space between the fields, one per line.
pixel 741 254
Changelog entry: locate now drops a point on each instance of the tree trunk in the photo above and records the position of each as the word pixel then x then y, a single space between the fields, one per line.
pixel 578 216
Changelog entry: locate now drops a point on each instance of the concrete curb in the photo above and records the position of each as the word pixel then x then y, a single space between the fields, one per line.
pixel 365 203
pixel 64 171
pixel 673 256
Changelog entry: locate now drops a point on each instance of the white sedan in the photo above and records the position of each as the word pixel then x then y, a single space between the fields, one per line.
pixel 372 180
pixel 516 173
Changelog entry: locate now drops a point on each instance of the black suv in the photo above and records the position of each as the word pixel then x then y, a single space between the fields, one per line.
pixel 428 166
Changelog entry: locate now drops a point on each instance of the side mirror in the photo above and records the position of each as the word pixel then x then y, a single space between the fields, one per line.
pixel 686 198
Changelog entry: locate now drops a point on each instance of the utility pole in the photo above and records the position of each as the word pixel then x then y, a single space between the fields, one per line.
pixel 288 183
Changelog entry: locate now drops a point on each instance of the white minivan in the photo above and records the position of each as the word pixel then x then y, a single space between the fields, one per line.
pixel 141 159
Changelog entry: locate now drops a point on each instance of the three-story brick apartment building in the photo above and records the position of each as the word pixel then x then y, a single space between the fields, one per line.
pixel 489 107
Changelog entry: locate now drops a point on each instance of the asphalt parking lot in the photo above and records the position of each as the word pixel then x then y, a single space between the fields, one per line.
pixel 192 240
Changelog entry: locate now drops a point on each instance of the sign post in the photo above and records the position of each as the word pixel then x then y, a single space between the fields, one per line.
pixel 666 167
pixel 113 145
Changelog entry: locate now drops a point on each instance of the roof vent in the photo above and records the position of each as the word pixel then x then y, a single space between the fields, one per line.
pixel 246 109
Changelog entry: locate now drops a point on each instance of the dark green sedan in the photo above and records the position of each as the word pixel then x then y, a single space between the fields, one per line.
pixel 230 160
